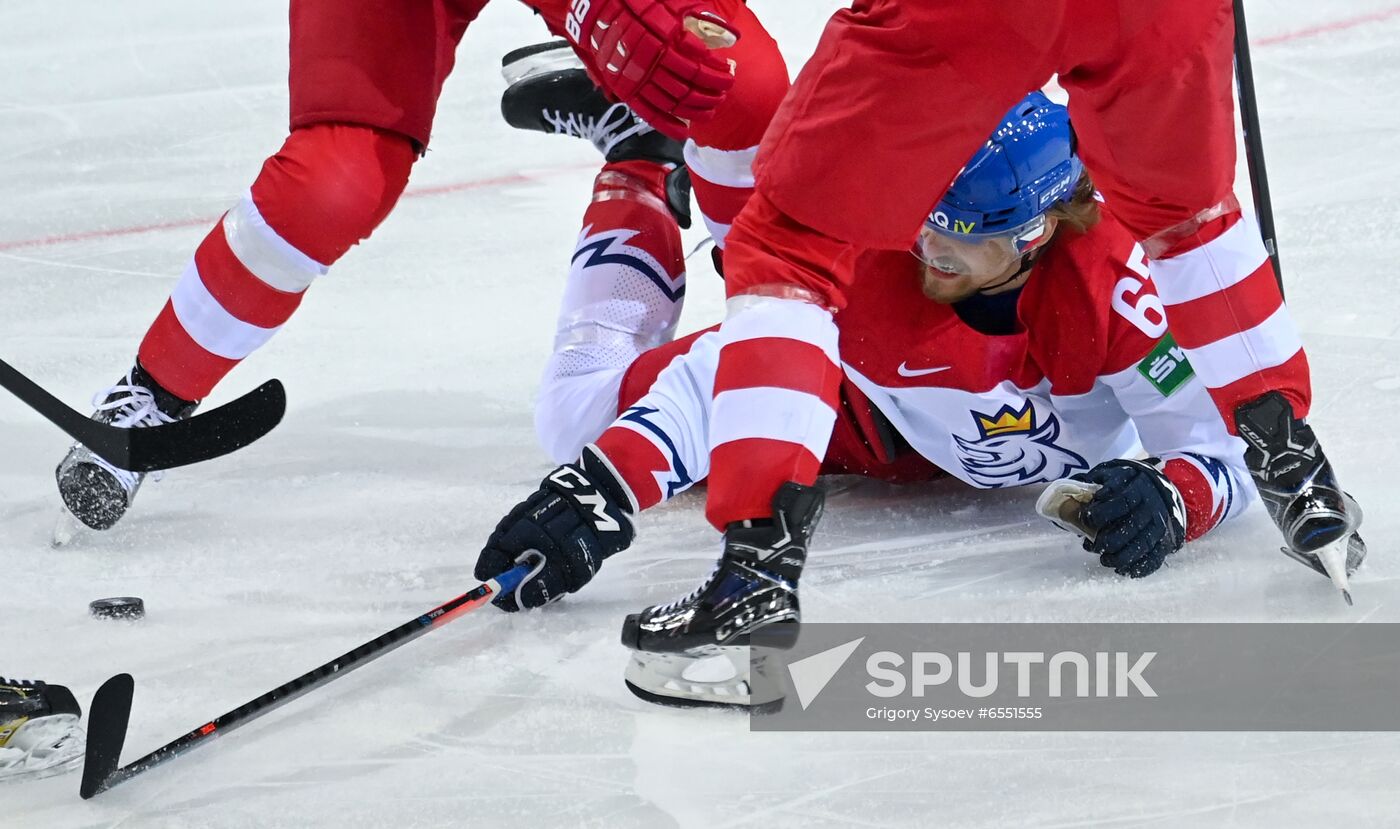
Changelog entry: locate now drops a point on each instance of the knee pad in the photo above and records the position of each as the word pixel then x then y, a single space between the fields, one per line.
pixel 331 185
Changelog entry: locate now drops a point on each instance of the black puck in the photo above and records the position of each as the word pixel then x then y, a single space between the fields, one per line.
pixel 120 607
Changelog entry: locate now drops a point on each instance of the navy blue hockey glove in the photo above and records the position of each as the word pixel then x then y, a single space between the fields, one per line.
pixel 1136 518
pixel 580 515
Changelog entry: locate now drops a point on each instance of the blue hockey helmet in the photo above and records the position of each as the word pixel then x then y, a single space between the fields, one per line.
pixel 1024 168
pixel 1004 191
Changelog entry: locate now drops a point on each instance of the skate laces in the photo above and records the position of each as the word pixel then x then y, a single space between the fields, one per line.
pixel 137 408
pixel 694 594
pixel 604 132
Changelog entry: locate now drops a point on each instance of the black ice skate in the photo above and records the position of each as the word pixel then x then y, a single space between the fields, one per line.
pixel 94 491
pixel 753 586
pixel 549 91
pixel 1295 480
pixel 39 732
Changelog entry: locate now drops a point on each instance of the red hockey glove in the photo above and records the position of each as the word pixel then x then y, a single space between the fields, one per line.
pixel 654 55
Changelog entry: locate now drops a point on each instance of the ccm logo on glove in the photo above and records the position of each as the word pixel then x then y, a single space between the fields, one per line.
pixel 582 490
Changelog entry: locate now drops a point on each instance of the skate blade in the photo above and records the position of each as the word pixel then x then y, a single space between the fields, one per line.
pixel 1337 561
pixel 662 679
pixel 59 749
pixel 542 62
pixel 65 529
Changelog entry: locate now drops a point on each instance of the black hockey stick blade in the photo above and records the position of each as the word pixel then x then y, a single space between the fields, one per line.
pixel 203 437
pixel 214 433
pixel 106 734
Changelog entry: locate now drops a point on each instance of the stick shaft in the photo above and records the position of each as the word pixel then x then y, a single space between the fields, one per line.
pixel 56 411
pixel 1253 140
pixel 330 671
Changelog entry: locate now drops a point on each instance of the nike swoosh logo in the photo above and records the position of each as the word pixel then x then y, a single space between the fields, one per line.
pixel 906 371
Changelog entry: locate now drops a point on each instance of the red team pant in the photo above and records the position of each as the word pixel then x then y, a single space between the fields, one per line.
pixel 364 83
pixel 900 94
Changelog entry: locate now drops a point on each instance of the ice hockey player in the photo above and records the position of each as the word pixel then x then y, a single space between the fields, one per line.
pixel 364 83
pixel 39 732
pixel 845 166
pixel 1023 343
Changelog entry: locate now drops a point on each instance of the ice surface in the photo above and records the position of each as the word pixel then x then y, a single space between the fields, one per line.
pixel 410 371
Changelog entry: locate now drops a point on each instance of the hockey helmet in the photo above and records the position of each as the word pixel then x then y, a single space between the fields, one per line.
pixel 998 201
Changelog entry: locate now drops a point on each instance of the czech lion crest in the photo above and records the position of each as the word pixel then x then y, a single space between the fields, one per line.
pixel 1015 447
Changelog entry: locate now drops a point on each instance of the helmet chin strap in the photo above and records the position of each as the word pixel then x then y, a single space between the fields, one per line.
pixel 1027 262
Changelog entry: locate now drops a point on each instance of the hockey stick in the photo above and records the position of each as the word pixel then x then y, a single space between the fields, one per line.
pixel 111 706
pixel 218 432
pixel 1253 142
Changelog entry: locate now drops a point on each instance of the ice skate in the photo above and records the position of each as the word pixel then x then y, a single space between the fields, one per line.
pixel 95 493
pixel 695 651
pixel 550 92
pixel 1318 520
pixel 39 731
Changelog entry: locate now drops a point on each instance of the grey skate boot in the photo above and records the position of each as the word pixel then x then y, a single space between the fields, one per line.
pixel 94 491
pixel 1295 480
pixel 753 586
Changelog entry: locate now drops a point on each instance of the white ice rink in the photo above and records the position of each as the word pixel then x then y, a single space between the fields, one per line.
pixel 126 128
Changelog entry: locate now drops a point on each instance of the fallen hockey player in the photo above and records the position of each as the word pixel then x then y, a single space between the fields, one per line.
pixel 1022 343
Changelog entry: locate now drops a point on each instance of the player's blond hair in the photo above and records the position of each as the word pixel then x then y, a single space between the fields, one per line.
pixel 1081 210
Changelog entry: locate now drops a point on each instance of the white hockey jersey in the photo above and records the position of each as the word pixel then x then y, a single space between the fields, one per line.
pixel 1091 374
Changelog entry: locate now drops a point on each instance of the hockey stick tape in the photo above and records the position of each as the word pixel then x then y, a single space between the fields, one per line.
pixel 1061 502
pixel 535 571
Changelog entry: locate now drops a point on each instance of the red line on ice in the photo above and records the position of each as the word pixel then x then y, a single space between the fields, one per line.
pixel 1328 28
pixel 136 230
pixel 521 178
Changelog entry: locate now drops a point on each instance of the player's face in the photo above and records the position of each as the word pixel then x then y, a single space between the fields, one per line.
pixel 955 268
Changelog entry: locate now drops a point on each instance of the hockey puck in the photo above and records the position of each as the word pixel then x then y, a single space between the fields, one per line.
pixel 121 607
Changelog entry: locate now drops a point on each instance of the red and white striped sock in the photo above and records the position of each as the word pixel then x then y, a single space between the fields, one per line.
pixel 1226 311
pixel 721 149
pixel 775 399
pixel 327 188
pixel 722 181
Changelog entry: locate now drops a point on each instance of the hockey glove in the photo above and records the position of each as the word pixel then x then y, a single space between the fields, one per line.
pixel 650 55
pixel 1130 514
pixel 580 515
